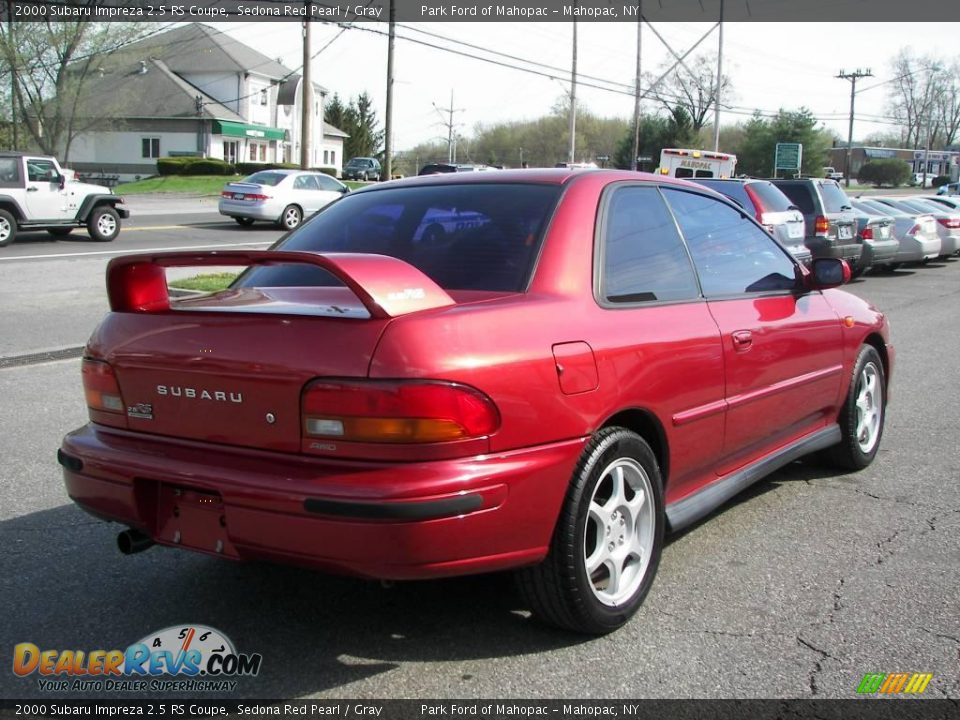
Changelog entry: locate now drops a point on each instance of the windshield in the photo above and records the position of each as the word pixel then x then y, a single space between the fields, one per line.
pixel 464 237
pixel 265 178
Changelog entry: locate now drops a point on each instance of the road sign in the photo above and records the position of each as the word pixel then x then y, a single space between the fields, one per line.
pixel 644 158
pixel 788 156
pixel 603 158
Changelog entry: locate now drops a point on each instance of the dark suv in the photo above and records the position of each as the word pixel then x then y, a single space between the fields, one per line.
pixel 362 168
pixel 831 220
pixel 772 209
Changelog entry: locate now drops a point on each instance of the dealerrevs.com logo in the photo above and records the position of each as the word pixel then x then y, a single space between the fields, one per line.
pixel 181 658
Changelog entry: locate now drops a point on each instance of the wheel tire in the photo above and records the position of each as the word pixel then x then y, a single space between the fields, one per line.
pixel 8 228
pixel 60 232
pixel 103 224
pixel 364 178
pixel 863 413
pixel 290 218
pixel 246 222
pixel 595 514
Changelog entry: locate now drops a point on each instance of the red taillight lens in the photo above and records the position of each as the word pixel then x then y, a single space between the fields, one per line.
pixel 100 387
pixel 914 230
pixel 396 411
pixel 758 204
pixel 821 226
pixel 867 233
pixel 952 223
pixel 225 194
pixel 140 287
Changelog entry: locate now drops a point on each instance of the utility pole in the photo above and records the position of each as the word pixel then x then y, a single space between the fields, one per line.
pixel 388 121
pixel 13 75
pixel 306 98
pixel 716 107
pixel 450 125
pixel 852 77
pixel 573 100
pixel 634 163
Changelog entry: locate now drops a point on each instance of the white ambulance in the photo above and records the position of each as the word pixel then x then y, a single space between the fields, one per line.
pixel 681 163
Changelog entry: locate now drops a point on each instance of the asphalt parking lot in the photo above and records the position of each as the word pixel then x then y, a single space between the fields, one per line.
pixel 796 589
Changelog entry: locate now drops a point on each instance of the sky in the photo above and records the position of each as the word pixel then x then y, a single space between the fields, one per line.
pixel 771 65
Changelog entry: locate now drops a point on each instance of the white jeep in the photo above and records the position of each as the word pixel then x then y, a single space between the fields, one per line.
pixel 35 194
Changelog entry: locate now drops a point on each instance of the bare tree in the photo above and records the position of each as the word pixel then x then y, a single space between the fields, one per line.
pixel 55 63
pixel 916 96
pixel 695 90
pixel 948 103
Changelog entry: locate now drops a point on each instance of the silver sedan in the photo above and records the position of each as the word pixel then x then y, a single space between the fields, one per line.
pixel 284 197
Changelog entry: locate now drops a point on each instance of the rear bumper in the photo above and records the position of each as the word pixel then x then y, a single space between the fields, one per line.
pixel 380 520
pixel 822 248
pixel 949 244
pixel 913 249
pixel 267 210
pixel 878 252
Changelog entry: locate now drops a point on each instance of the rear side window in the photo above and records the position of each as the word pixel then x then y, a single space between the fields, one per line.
pixel 733 190
pixel 770 197
pixel 643 257
pixel 9 172
pixel 464 237
pixel 732 255
pixel 801 195
pixel 834 199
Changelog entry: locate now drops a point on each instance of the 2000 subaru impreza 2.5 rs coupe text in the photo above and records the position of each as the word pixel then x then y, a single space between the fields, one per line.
pixel 590 359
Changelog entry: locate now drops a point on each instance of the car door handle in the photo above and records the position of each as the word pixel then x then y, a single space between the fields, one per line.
pixel 32 189
pixel 742 340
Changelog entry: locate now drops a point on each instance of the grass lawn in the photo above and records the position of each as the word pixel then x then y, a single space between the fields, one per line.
pixel 211 282
pixel 192 184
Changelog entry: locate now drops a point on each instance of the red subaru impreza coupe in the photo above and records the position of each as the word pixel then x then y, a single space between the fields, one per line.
pixel 541 370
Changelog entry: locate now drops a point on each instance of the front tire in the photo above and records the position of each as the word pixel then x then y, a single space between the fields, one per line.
pixel 863 413
pixel 103 224
pixel 8 228
pixel 606 546
pixel 290 218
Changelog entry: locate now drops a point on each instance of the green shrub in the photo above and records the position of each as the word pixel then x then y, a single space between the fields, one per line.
pixel 940 180
pixel 889 171
pixel 248 168
pixel 332 172
pixel 193 166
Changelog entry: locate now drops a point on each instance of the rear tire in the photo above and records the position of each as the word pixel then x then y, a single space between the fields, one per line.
pixel 103 224
pixel 8 228
pixel 290 218
pixel 607 542
pixel 863 413
pixel 246 222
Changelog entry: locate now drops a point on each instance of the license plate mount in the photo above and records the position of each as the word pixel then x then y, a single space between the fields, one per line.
pixel 193 519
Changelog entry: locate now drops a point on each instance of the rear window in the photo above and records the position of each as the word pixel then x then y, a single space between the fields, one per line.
pixel 265 178
pixel 733 190
pixel 770 197
pixel 801 195
pixel 834 199
pixel 464 237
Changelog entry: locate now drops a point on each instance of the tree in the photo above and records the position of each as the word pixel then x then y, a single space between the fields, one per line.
pixel 694 90
pixel 656 133
pixel 55 62
pixel 760 137
pixel 359 120
pixel 918 90
pixel 890 172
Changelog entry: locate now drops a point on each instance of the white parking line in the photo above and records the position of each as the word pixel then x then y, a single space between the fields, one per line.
pixel 136 252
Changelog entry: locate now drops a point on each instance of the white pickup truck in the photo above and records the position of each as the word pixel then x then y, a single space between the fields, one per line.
pixel 830 174
pixel 35 194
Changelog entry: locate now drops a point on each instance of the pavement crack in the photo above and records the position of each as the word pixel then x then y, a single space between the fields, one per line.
pixel 817 665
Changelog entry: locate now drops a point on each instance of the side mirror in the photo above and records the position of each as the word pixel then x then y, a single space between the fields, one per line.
pixel 344 190
pixel 828 273
pixel 62 181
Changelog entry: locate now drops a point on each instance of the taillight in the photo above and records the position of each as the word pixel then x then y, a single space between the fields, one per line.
pixel 914 230
pixel 137 287
pixel 100 387
pixel 867 233
pixel 821 226
pixel 230 195
pixel 396 411
pixel 758 204
pixel 952 223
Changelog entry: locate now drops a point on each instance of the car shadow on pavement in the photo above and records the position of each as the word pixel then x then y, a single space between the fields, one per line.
pixel 65 585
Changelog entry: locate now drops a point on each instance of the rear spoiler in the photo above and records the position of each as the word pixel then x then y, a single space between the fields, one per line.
pixel 387 287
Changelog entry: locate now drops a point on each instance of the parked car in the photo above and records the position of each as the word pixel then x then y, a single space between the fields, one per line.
pixel 608 355
pixel 442 168
pixel 37 194
pixel 830 221
pixel 947 201
pixel 947 221
pixel 772 209
pixel 362 168
pixel 880 245
pixel 284 197
pixel 916 234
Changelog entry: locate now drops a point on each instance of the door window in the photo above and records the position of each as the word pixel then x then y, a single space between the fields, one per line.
pixel 41 171
pixel 305 182
pixel 643 257
pixel 328 183
pixel 732 254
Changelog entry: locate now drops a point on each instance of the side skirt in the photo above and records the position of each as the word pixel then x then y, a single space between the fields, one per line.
pixel 693 507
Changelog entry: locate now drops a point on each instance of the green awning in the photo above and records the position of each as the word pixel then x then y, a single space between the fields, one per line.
pixel 258 132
